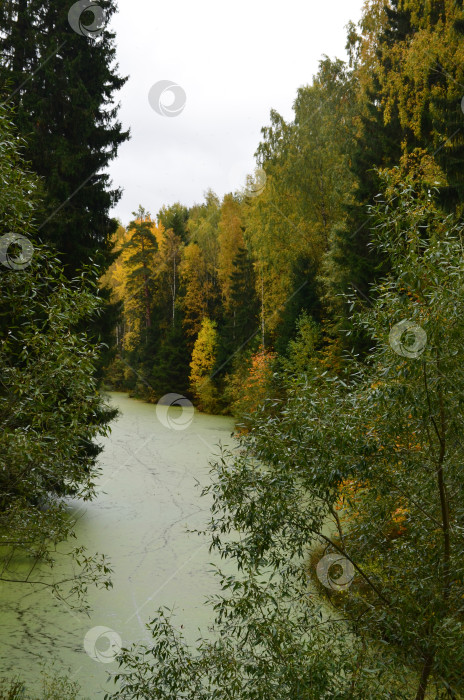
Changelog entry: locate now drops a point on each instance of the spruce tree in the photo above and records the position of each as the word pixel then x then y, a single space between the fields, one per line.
pixel 425 85
pixel 241 318
pixel 170 366
pixel 61 85
pixel 378 145
pixel 304 299
pixel 175 217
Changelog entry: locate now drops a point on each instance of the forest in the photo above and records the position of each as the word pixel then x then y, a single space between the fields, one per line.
pixel 321 305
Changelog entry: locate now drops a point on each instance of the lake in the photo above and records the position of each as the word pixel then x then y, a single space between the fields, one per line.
pixel 147 499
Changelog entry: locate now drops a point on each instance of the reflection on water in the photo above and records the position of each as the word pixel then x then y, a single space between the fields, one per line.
pixel 147 499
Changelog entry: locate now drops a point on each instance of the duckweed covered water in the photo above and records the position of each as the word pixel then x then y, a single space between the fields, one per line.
pixel 147 499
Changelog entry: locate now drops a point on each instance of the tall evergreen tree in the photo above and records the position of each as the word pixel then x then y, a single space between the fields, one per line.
pixel 408 61
pixel 175 217
pixel 241 320
pixel 304 298
pixel 142 247
pixel 170 366
pixel 377 144
pixel 51 416
pixel 62 87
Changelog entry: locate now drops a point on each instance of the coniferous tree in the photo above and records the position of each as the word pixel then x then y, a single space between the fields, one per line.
pixel 376 145
pixel 142 247
pixel 241 318
pixel 305 299
pixel 170 366
pixel 175 217
pixel 61 85
pixel 422 81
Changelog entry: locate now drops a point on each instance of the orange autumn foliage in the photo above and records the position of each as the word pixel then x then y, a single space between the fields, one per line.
pixel 251 388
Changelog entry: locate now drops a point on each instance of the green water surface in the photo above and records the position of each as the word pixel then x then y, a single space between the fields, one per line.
pixel 146 500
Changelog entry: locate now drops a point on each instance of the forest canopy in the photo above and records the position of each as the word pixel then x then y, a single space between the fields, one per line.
pixel 320 304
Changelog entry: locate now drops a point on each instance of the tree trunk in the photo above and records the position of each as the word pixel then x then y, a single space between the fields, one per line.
pixel 425 677
pixel 262 309
pixel 147 303
pixel 19 38
pixel 174 289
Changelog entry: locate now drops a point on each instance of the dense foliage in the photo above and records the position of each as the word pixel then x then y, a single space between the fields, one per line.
pixel 322 304
pixel 344 255
pixel 367 467
pixel 297 238
pixel 61 86
pixel 57 86
pixel 50 409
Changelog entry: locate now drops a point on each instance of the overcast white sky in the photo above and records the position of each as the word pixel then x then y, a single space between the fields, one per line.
pixel 235 61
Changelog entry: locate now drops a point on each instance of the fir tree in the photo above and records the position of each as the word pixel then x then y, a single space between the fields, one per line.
pixel 61 85
pixel 241 320
pixel 175 217
pixel 170 367
pixel 378 144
